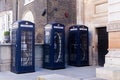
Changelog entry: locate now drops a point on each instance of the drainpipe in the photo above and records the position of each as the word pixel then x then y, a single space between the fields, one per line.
pixel 16 10
pixel 47 11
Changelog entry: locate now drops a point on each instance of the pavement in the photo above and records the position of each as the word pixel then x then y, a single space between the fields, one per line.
pixel 81 73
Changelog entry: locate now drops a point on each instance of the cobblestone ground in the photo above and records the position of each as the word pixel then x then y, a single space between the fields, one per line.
pixel 82 73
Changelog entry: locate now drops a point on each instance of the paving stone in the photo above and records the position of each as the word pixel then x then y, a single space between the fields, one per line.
pixel 94 79
pixel 81 73
pixel 55 77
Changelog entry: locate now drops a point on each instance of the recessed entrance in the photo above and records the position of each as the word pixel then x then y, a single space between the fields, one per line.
pixel 102 45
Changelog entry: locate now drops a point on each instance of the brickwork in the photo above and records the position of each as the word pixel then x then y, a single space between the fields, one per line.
pixel 62 11
pixel 36 7
pixel 65 11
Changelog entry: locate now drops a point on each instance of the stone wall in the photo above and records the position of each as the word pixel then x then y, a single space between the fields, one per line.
pixel 92 13
pixel 5 57
pixel 65 12
pixel 6 5
pixel 62 11
pixel 36 8
pixel 112 59
pixel 95 16
pixel 114 24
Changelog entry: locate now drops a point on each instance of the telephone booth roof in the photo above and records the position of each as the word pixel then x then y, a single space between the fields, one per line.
pixel 54 24
pixel 22 21
pixel 78 26
pixel 26 24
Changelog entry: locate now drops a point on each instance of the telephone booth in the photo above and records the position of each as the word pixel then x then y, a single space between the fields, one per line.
pixel 78 46
pixel 23 57
pixel 54 46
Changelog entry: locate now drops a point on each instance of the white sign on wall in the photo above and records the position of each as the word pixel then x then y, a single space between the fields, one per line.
pixel 113 27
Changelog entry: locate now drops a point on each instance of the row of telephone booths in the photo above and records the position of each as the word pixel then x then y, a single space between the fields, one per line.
pixel 23 41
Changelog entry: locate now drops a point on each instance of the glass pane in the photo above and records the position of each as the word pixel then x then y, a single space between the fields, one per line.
pixel 73 46
pixel 83 48
pixel 13 46
pixel 26 48
pixel 58 57
pixel 47 36
pixel 46 53
pixel 14 36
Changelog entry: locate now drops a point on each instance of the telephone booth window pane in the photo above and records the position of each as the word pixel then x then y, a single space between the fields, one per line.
pixel 83 48
pixel 58 47
pixel 14 36
pixel 47 36
pixel 46 52
pixel 13 46
pixel 26 48
pixel 73 46
pixel 47 41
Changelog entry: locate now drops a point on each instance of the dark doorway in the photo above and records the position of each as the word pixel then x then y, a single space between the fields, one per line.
pixel 102 45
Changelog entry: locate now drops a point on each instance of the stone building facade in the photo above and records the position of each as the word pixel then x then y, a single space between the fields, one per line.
pixel 91 13
pixel 62 11
pixel 112 59
pixel 96 14
pixel 34 9
pixel 6 17
pixel 6 5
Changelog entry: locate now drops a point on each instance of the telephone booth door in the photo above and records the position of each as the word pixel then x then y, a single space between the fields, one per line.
pixel 22 59
pixel 78 46
pixel 72 44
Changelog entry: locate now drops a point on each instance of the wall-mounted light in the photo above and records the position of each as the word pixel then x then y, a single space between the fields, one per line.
pixel 45 11
pixel 66 15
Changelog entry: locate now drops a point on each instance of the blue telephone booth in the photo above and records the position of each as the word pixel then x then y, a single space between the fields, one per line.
pixel 78 46
pixel 23 57
pixel 54 46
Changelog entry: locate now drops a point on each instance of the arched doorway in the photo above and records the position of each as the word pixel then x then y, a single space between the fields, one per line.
pixel 28 16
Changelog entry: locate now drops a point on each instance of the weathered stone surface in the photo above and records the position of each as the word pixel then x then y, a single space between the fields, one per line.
pixel 111 69
pixel 62 11
pixel 65 13
pixel 5 57
pixel 6 5
pixel 55 77
pixel 112 59
pixel 108 73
